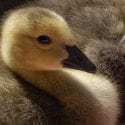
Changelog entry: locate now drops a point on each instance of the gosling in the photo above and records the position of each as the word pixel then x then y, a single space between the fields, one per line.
pixel 40 48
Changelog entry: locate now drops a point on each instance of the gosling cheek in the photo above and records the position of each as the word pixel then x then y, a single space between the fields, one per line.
pixel 64 55
pixel 53 66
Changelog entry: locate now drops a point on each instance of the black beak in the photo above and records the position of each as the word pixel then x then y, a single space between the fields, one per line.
pixel 77 60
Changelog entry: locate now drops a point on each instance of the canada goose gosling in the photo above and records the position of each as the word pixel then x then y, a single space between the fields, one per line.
pixel 37 43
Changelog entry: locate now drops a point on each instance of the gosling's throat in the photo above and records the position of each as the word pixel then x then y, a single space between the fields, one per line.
pixel 58 83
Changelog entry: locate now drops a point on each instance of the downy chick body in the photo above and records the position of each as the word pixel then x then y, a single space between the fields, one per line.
pixel 34 48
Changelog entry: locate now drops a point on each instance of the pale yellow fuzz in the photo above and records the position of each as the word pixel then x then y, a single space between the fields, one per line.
pixel 22 33
pixel 91 99
pixel 81 92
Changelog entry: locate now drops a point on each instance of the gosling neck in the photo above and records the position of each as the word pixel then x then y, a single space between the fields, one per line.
pixel 58 83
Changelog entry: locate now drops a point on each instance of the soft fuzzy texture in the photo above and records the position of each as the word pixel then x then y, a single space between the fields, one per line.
pixel 110 61
pixel 99 26
pixel 23 104
pixel 90 20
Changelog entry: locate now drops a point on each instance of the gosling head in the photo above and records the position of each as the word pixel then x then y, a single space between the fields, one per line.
pixel 37 39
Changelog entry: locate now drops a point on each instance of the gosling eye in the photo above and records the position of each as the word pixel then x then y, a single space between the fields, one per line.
pixel 43 39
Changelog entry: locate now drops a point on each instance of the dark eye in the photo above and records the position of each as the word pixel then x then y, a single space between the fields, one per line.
pixel 44 39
